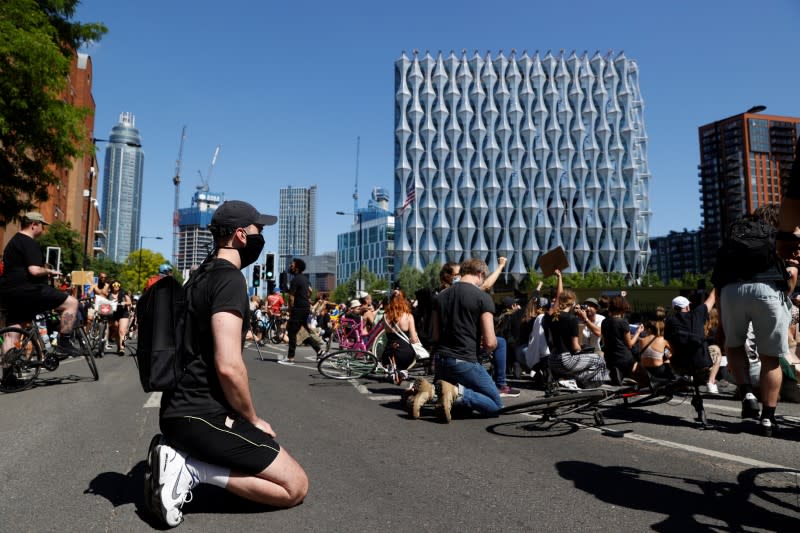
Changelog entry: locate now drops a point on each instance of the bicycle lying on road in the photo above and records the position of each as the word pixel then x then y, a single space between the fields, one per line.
pixel 560 401
pixel 23 361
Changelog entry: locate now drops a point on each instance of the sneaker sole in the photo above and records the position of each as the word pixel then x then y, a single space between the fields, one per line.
pixel 152 477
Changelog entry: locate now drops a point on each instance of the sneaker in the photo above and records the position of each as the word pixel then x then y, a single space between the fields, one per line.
pixel 446 393
pixel 321 354
pixel 767 427
pixel 171 483
pixel 750 406
pixel 508 392
pixel 424 393
pixel 150 481
pixel 286 361
pixel 66 349
pixel 712 388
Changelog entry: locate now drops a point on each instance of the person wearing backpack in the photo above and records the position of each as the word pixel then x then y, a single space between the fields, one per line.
pixel 212 433
pixel 754 285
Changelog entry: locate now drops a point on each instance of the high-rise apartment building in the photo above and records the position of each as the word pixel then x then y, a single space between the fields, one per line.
pixel 745 162
pixel 194 239
pixel 297 226
pixel 676 254
pixel 370 241
pixel 122 188
pixel 516 155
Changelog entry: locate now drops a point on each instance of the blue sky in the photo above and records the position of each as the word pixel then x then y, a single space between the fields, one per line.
pixel 287 87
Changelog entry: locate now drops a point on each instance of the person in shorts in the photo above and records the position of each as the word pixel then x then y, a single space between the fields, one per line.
pixel 212 433
pixel 24 291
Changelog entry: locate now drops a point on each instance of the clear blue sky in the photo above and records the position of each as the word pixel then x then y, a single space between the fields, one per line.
pixel 286 87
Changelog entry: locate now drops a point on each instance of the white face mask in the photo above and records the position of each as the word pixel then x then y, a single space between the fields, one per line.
pixel 456 279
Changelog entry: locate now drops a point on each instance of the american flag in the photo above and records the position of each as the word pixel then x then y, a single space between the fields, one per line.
pixel 411 195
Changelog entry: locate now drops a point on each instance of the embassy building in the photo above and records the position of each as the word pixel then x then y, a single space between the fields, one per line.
pixel 516 155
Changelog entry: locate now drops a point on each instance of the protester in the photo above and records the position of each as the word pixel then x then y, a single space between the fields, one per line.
pixel 299 311
pixel 617 338
pixel 118 325
pixel 212 433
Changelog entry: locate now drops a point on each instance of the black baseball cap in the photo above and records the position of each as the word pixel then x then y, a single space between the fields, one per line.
pixel 239 214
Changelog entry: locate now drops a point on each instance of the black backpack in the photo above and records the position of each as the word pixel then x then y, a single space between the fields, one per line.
pixel 747 250
pixel 161 316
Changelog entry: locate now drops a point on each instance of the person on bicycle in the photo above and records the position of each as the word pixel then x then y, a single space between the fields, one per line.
pixel 210 414
pixel 163 270
pixel 275 304
pixel 24 290
pixel 118 327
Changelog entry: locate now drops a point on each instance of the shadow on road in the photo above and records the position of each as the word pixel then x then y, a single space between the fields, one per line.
pixel 124 489
pixel 690 504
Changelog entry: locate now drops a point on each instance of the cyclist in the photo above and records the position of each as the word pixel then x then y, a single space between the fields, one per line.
pixel 163 270
pixel 24 290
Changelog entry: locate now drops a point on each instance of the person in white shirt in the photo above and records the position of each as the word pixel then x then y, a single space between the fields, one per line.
pixel 590 325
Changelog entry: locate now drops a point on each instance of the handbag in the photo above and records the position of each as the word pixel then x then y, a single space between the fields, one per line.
pixel 419 349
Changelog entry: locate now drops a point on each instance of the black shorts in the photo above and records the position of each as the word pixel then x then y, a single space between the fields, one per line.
pixel 228 441
pixel 24 302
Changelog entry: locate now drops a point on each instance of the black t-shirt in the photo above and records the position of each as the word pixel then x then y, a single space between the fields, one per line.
pixel 217 286
pixel 560 332
pixel 21 252
pixel 685 333
pixel 615 349
pixel 460 308
pixel 299 289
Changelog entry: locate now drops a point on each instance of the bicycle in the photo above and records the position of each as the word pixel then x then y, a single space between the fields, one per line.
pixel 23 361
pixel 274 330
pixel 96 335
pixel 560 401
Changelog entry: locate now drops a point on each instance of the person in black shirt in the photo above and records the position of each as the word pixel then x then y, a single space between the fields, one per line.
pixel 563 339
pixel 24 290
pixel 299 310
pixel 618 339
pixel 463 326
pixel 212 433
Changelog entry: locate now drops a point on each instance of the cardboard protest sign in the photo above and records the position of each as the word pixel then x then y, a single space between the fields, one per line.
pixel 552 260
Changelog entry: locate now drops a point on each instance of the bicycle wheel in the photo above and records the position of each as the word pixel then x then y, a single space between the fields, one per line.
pixel 86 349
pixel 99 348
pixel 22 360
pixel 347 364
pixel 379 344
pixel 274 333
pixel 557 405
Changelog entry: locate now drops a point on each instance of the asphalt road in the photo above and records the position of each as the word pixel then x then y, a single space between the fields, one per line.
pixel 73 456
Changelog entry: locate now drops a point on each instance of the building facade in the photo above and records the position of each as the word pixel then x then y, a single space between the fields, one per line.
pixel 194 239
pixel 516 155
pixel 122 188
pixel 676 254
pixel 297 226
pixel 745 162
pixel 370 241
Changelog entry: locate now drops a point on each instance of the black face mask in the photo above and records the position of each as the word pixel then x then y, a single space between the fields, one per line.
pixel 252 250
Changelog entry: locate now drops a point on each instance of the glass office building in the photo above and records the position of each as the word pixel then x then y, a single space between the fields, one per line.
pixel 516 155
pixel 122 188
pixel 297 226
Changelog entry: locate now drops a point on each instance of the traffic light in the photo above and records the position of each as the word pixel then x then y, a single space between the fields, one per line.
pixel 269 267
pixel 256 275
pixel 270 286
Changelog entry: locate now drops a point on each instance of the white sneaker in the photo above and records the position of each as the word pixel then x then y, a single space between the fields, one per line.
pixel 174 483
pixel 286 361
pixel 712 388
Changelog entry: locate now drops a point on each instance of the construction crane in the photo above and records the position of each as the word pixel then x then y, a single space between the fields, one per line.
pixel 203 187
pixel 176 223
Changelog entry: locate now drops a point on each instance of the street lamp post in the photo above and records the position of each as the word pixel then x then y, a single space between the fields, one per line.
pixel 360 247
pixel 139 268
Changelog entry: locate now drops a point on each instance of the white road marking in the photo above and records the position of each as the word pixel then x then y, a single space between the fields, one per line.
pixel 154 400
pixel 384 397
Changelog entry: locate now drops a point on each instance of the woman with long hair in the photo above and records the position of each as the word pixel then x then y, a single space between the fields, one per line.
pixel 400 333
pixel 654 351
pixel 566 359
pixel 618 339
pixel 118 326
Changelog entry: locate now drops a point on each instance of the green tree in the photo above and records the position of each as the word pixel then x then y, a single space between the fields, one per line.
pixel 39 130
pixel 651 279
pixel 140 265
pixel 62 235
pixel 410 280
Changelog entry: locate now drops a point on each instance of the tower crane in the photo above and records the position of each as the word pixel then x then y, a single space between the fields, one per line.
pixel 176 226
pixel 203 187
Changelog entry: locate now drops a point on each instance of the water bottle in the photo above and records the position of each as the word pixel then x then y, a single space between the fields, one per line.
pixel 45 336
